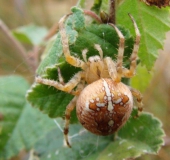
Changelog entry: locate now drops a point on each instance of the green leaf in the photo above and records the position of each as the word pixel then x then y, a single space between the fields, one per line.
pixel 100 5
pixel 30 127
pixel 153 23
pixel 54 51
pixel 83 143
pixel 50 100
pixel 139 136
pixel 30 34
pixel 142 79
pixel 12 101
pixel 21 125
pixel 24 127
pixel 105 6
pixel 144 132
pixel 96 6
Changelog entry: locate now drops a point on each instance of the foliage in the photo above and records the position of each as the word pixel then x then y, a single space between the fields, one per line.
pixel 147 18
pixel 24 128
pixel 28 128
pixel 21 123
pixel 30 34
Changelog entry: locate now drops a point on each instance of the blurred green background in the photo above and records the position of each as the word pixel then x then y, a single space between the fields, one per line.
pixel 15 13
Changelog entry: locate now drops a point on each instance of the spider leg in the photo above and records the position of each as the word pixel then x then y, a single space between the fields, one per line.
pixel 65 44
pixel 97 47
pixel 120 52
pixel 131 72
pixel 68 111
pixel 68 87
pixel 61 80
pixel 60 77
pixel 138 97
pixel 84 54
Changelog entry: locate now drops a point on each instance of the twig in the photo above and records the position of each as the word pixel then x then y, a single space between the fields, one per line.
pixel 33 56
pixel 53 30
pixel 112 12
pixel 21 50
pixel 167 141
pixel 93 15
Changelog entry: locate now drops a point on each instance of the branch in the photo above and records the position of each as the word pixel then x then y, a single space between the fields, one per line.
pixel 53 30
pixel 21 50
pixel 93 15
pixel 167 141
pixel 112 12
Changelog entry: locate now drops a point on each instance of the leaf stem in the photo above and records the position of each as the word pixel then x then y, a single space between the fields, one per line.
pixel 53 30
pixel 21 50
pixel 93 15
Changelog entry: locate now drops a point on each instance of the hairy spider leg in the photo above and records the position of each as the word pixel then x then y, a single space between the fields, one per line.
pixel 60 77
pixel 67 87
pixel 120 53
pixel 131 72
pixel 138 97
pixel 70 107
pixel 61 80
pixel 97 47
pixel 84 54
pixel 65 44
pixel 71 84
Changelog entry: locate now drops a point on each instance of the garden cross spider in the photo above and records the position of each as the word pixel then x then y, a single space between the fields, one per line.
pixel 103 103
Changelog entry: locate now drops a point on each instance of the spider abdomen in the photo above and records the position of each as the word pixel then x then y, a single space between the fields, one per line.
pixel 104 106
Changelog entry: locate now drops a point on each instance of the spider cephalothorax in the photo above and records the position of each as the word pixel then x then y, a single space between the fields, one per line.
pixel 103 103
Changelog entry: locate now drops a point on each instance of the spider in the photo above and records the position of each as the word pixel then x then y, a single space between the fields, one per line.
pixel 103 103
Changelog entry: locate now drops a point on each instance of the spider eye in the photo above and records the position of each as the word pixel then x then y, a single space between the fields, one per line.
pixel 97 58
pixel 94 59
